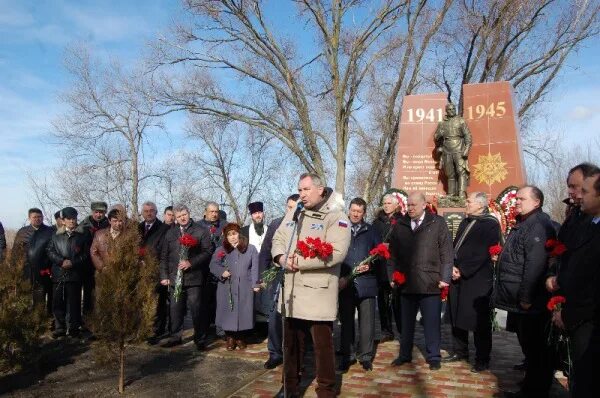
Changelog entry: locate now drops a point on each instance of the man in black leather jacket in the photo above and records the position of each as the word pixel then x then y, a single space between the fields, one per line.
pixel 69 252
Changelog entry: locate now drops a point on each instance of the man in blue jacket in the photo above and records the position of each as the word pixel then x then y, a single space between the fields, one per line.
pixel 359 292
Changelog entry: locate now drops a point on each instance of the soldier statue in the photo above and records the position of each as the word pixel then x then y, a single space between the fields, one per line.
pixel 453 142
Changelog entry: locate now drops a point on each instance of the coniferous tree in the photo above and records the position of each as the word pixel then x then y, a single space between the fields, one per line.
pixel 21 323
pixel 125 298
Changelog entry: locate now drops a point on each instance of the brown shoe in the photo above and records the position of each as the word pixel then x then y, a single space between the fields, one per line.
pixel 241 344
pixel 230 343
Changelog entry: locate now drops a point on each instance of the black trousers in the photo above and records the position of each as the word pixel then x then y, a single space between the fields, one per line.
pixel 296 331
pixel 532 330
pixel 384 306
pixel 191 298
pixel 209 302
pixel 348 304
pixel 42 294
pixel 66 305
pixel 89 286
pixel 161 321
pixel 430 306
pixel 483 343
pixel 584 382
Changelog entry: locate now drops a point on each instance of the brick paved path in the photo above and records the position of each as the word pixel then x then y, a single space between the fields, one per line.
pixel 411 380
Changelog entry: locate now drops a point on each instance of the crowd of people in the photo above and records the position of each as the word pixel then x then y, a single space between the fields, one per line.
pixel 222 278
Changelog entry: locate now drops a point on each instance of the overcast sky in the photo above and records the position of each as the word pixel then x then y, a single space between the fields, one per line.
pixel 33 36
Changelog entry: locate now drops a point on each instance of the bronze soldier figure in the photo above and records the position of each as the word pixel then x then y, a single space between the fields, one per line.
pixel 453 142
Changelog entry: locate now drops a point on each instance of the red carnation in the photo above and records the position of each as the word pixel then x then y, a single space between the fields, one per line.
pixel 325 250
pixel 550 243
pixel 555 303
pixel 314 247
pixel 46 271
pixel 213 229
pixel 398 278
pixel 221 255
pixel 188 240
pixel 142 251
pixel 495 250
pixel 444 293
pixel 380 250
pixel 556 247
pixel 393 221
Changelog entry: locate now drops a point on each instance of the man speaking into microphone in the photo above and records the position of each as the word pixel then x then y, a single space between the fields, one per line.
pixel 311 284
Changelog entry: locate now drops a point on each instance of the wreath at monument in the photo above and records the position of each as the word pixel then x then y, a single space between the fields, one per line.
pixel 400 194
pixel 507 201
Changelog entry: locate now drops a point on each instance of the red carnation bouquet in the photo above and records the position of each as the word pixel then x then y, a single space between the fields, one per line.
pixel 314 248
pixel 398 278
pixel 556 248
pixel 495 250
pixel 444 293
pixel 555 303
pixel 381 250
pixel 221 256
pixel 186 242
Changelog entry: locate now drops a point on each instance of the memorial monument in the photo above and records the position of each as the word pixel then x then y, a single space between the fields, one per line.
pixel 447 156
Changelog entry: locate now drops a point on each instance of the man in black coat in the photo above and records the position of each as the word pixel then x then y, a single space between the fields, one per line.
pixel 472 279
pixel 265 261
pixel 573 228
pixel 2 242
pixel 31 241
pixel 153 231
pixel 388 299
pixel 579 314
pixel 214 223
pixel 421 248
pixel 193 268
pixel 92 223
pixel 359 293
pixel 69 253
pixel 520 290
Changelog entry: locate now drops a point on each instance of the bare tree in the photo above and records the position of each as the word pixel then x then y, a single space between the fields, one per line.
pixel 304 98
pixel 242 165
pixel 110 113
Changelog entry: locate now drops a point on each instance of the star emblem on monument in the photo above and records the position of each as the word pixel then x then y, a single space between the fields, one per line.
pixel 490 169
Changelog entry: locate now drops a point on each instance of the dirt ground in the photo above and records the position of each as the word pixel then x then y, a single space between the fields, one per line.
pixel 69 369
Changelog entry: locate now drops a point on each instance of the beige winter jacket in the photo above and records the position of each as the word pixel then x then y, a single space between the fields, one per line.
pixel 312 292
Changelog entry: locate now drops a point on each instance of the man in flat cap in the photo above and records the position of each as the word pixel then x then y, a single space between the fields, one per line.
pixel 89 226
pixel 69 252
pixel 256 231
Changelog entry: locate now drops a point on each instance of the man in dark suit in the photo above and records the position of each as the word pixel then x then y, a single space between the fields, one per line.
pixel 421 248
pixel 152 231
pixel 579 314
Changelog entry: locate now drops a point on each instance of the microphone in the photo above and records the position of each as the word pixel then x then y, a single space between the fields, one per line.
pixel 299 208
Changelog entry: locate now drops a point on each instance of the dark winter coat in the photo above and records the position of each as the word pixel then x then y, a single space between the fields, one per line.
pixel 243 266
pixel 383 223
pixel 469 296
pixel 2 242
pixel 522 265
pixel 92 225
pixel 264 300
pixel 33 244
pixel 64 247
pixel 198 256
pixel 581 287
pixel 572 233
pixel 425 255
pixel 365 283
pixel 154 238
pixel 216 232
